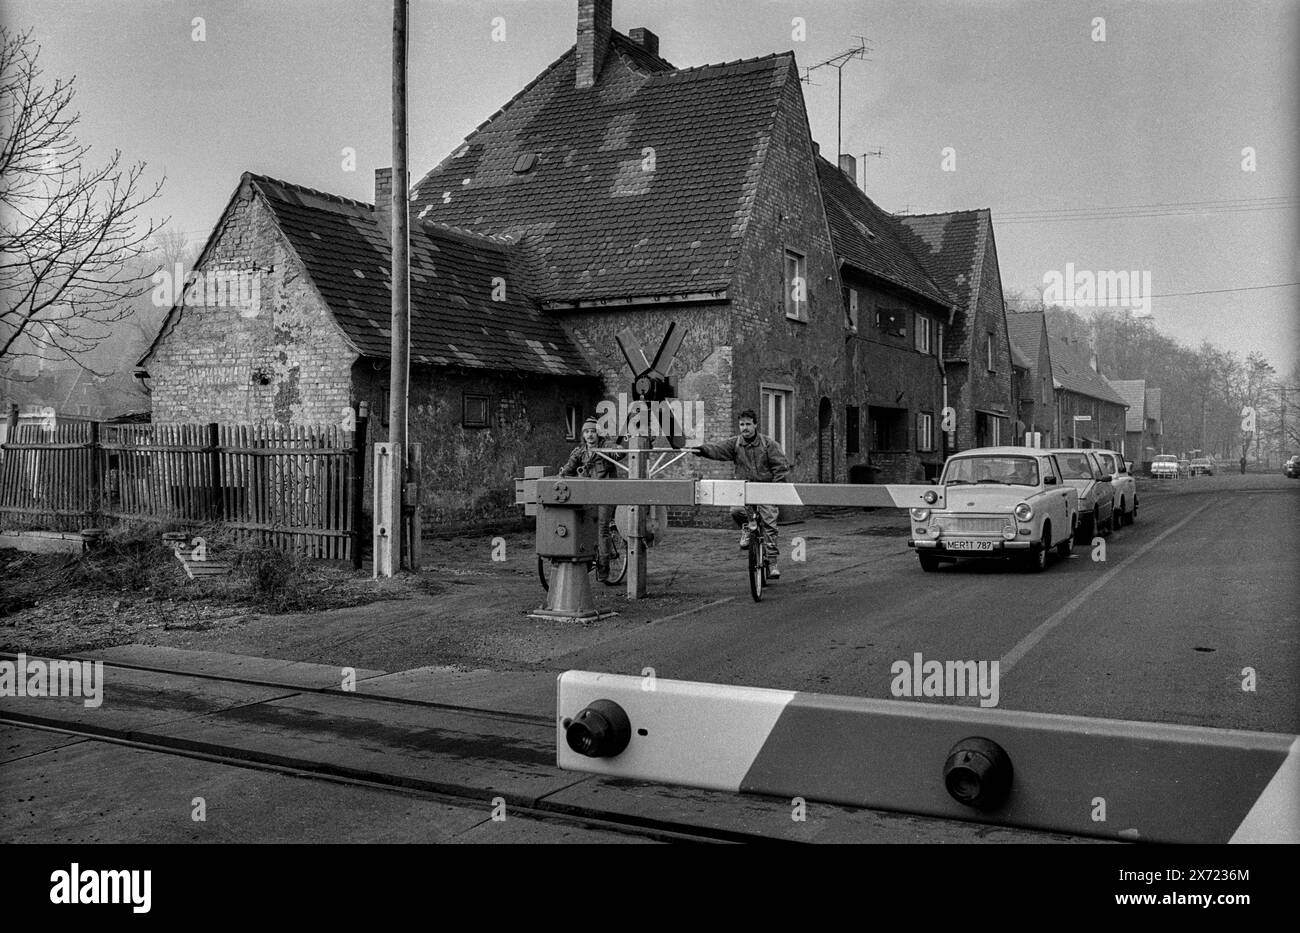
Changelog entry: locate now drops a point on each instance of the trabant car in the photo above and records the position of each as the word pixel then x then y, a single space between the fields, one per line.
pixel 1006 502
pixel 1083 471
pixel 1123 484
pixel 1164 466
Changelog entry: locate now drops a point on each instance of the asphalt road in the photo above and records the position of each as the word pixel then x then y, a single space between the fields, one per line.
pixel 1203 587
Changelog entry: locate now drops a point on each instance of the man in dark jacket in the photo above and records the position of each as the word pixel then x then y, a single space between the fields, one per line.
pixel 758 459
pixel 585 461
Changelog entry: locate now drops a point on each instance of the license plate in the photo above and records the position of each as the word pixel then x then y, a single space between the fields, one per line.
pixel 969 545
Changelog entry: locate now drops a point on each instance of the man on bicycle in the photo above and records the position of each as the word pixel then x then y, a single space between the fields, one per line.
pixel 758 459
pixel 585 461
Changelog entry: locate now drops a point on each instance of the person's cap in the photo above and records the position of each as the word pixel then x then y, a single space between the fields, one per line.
pixel 590 421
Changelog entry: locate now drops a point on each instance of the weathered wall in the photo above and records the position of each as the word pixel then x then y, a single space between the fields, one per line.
pixel 469 473
pixel 979 389
pixel 204 367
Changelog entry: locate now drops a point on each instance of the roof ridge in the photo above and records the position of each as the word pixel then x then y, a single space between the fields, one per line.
pixel 971 210
pixel 738 61
pixel 497 239
pixel 303 188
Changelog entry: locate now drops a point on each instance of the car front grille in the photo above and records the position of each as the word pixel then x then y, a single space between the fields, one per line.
pixel 972 525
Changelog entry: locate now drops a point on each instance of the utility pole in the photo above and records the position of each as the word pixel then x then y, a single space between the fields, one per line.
pixel 400 344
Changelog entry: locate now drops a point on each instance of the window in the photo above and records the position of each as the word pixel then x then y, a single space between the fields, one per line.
pixel 925 430
pixel 852 429
pixel 850 296
pixel 570 422
pixel 988 352
pixel 776 415
pixel 474 410
pixel 924 333
pixel 988 430
pixel 892 321
pixel 888 427
pixel 796 286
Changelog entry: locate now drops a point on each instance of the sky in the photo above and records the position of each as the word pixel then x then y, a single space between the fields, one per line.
pixel 1128 154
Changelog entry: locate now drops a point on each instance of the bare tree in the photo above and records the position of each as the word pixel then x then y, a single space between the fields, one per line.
pixel 70 240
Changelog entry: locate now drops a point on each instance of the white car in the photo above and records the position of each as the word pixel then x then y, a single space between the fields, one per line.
pixel 1123 484
pixel 1007 502
pixel 1083 471
pixel 1164 466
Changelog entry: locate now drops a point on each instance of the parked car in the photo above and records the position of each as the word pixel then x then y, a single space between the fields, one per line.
pixel 1164 466
pixel 1184 468
pixel 1292 467
pixel 1082 470
pixel 1005 502
pixel 1201 466
pixel 1123 484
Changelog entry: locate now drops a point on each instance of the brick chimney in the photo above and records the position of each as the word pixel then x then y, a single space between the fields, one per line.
pixel 849 166
pixel 595 23
pixel 645 38
pixel 384 200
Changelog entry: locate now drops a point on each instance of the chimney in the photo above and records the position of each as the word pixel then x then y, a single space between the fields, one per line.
pixel 384 200
pixel 595 23
pixel 849 166
pixel 646 39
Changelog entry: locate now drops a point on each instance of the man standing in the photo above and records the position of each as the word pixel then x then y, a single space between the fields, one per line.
pixel 585 461
pixel 758 459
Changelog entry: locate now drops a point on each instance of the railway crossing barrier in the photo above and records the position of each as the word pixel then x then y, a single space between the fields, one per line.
pixel 1131 781
pixel 566 508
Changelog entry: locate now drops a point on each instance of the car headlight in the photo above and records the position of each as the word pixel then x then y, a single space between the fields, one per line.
pixel 1024 512
pixel 920 515
pixel 1009 531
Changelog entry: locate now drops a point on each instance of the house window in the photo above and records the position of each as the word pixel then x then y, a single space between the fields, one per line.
pixel 851 309
pixel 776 415
pixel 988 430
pixel 474 410
pixel 852 429
pixel 570 422
pixel 796 286
pixel 925 430
pixel 888 427
pixel 892 321
pixel 988 352
pixel 924 333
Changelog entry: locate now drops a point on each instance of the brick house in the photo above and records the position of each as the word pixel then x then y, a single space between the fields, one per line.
pixel 613 192
pixel 959 251
pixel 1027 331
pixel 493 382
pixel 1081 390
pixel 1144 427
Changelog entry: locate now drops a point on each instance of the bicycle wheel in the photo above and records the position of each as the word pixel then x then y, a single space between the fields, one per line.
pixel 757 567
pixel 617 556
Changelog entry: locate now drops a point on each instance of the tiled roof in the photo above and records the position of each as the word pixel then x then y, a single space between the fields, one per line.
pixel 1019 359
pixel 951 247
pixel 1071 372
pixel 1025 331
pixel 872 239
pixel 454 321
pixel 1133 392
pixel 595 224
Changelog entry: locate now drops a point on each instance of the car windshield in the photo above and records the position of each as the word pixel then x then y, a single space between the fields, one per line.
pixel 1005 471
pixel 1074 466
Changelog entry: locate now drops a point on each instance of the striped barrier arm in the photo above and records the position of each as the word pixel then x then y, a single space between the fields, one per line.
pixel 1123 780
pixel 580 491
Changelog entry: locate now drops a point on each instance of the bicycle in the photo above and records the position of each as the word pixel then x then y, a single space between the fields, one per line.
pixel 617 560
pixel 756 568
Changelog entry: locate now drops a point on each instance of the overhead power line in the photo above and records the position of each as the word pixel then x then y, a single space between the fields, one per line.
pixel 1207 291
pixel 1168 209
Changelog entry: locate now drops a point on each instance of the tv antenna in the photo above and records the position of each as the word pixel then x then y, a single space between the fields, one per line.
pixel 873 154
pixel 858 53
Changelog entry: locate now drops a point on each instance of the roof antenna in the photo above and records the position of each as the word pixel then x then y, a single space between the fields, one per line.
pixel 875 154
pixel 838 62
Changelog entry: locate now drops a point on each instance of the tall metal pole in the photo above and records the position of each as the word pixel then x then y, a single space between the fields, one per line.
pixel 400 344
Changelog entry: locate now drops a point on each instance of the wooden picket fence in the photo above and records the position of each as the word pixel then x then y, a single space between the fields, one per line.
pixel 298 487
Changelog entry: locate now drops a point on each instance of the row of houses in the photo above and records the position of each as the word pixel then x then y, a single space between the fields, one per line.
pixel 617 192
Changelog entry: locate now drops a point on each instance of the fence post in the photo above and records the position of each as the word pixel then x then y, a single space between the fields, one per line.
pixel 359 482
pixel 96 476
pixel 217 503
pixel 11 422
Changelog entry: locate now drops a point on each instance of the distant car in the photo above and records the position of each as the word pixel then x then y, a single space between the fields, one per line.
pixel 1201 466
pixel 1123 485
pixel 1164 466
pixel 1082 470
pixel 1292 467
pixel 1008 502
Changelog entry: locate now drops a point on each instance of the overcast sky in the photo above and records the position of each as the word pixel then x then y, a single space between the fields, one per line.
pixel 1045 121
